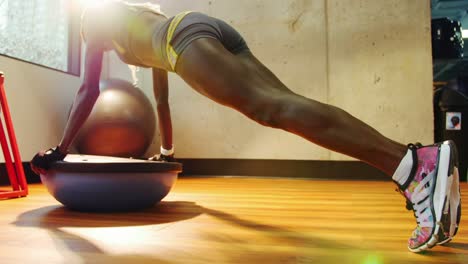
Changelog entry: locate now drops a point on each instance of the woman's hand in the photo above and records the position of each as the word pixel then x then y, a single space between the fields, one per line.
pixel 42 161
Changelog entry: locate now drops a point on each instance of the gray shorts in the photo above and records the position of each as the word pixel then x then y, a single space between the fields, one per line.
pixel 197 25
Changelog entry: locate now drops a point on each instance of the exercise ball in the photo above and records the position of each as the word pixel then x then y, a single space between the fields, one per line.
pixel 108 184
pixel 121 124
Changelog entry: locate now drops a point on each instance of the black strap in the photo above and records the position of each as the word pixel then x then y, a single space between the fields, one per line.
pixel 50 156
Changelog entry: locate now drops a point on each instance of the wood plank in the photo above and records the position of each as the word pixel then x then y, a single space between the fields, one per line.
pixel 227 220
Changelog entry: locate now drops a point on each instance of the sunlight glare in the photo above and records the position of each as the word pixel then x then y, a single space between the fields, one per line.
pixel 87 3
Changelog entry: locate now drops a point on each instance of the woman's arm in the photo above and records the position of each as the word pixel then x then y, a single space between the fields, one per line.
pixel 82 106
pixel 161 94
pixel 86 96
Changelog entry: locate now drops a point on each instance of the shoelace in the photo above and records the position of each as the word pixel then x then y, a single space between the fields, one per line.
pixel 420 210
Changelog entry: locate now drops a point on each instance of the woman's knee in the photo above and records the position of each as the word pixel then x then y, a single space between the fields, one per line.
pixel 268 112
pixel 289 111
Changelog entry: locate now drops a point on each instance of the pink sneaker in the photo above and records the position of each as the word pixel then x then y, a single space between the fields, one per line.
pixel 426 191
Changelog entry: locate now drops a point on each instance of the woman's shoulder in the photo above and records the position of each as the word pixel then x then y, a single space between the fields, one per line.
pixel 96 22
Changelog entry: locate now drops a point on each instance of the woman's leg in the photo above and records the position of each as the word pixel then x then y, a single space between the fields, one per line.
pixel 243 83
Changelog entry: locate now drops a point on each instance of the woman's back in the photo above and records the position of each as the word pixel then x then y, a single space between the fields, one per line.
pixel 129 29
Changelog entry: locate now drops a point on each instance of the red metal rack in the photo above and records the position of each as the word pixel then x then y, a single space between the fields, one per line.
pixel 14 166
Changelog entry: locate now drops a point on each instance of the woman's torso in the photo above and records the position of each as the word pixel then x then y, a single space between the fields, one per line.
pixel 139 34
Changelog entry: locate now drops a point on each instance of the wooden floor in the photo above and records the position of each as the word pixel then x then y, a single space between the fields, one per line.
pixel 228 220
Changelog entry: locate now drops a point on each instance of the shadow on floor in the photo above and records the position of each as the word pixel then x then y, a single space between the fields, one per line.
pixel 59 216
pixel 55 218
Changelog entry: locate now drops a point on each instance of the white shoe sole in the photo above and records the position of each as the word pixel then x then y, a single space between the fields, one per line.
pixel 438 194
pixel 453 203
pixel 447 213
pixel 453 206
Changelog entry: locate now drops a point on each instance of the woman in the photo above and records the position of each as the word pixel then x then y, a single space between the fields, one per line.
pixel 215 60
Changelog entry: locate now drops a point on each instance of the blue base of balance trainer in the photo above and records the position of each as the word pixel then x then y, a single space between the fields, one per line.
pixel 108 184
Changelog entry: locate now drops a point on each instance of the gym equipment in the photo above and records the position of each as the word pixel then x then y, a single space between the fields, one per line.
pixel 14 166
pixel 447 40
pixel 109 184
pixel 450 123
pixel 121 124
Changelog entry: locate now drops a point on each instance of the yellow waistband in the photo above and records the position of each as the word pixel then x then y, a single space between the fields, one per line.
pixel 171 54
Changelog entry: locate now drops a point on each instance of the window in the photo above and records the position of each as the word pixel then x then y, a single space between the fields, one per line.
pixel 43 32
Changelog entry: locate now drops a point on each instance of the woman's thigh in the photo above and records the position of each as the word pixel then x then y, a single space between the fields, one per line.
pixel 232 80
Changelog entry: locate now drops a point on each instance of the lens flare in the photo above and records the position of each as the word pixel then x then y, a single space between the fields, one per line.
pixel 373 259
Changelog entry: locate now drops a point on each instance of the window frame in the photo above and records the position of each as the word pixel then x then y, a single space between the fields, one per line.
pixel 74 45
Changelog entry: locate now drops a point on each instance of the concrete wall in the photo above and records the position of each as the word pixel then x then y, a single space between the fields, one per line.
pixel 380 65
pixel 370 57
